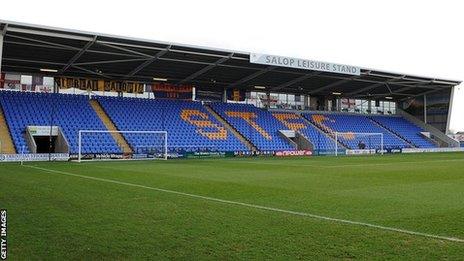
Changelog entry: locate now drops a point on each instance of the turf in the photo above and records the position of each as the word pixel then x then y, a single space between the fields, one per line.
pixel 53 215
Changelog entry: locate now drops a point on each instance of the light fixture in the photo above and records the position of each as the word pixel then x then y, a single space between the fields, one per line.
pixel 260 87
pixel 389 98
pixel 48 70
pixel 336 93
pixel 160 79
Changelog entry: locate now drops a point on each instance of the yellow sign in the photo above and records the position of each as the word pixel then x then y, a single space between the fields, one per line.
pixel 99 85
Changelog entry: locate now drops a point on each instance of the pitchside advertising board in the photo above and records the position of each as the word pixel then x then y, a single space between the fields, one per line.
pixel 34 157
pixel 373 151
pixel 304 64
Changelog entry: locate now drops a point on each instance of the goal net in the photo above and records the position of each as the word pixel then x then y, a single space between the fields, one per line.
pixel 104 144
pixel 358 143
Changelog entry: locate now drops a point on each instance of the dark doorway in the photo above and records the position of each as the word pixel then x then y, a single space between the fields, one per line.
pixel 43 144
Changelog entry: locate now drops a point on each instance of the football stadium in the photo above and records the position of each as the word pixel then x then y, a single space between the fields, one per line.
pixel 121 148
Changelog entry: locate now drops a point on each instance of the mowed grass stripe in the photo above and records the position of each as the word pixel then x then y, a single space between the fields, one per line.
pixel 304 214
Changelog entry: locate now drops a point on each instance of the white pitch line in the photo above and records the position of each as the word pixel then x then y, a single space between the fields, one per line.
pixel 337 220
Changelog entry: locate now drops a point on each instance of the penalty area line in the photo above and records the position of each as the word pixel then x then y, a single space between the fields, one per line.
pixel 237 203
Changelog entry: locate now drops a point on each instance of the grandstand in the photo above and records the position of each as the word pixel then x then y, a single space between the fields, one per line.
pixel 207 100
pixel 68 95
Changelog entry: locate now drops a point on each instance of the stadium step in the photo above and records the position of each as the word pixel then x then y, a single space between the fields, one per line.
pixel 6 143
pixel 392 132
pixel 323 132
pixel 120 140
pixel 247 143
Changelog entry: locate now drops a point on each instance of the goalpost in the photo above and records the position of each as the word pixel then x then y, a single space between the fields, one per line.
pixel 366 142
pixel 136 144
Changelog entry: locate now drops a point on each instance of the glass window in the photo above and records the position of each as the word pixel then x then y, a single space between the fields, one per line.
pixel 48 81
pixel 26 79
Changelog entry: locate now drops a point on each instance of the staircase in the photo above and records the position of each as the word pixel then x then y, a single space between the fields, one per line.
pixel 120 140
pixel 246 142
pixel 7 146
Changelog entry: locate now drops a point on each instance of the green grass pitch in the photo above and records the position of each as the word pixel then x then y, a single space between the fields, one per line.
pixel 216 208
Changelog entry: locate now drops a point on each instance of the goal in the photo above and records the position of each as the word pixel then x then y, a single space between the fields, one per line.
pixel 99 144
pixel 359 143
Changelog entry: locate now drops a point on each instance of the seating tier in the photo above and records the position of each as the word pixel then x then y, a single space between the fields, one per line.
pixel 256 125
pixel 405 129
pixel 295 122
pixel 343 123
pixel 69 112
pixel 189 125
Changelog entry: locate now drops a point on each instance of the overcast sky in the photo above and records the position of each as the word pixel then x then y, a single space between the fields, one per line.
pixel 424 38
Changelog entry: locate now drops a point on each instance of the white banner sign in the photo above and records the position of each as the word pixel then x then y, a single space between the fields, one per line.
pixel 425 150
pixel 303 64
pixel 360 152
pixel 43 130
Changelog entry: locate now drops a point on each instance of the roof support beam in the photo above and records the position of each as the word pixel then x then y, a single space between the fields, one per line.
pixel 124 49
pixel 398 92
pixel 361 80
pixel 78 55
pixel 39 45
pixel 295 81
pixel 417 85
pixel 375 85
pixel 251 76
pixel 112 61
pixel 208 63
pixel 90 71
pixel 50 34
pixel 172 50
pixel 335 84
pixel 205 69
pixel 69 48
pixel 148 62
pixel 44 42
pixel 32 61
pixel 425 93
